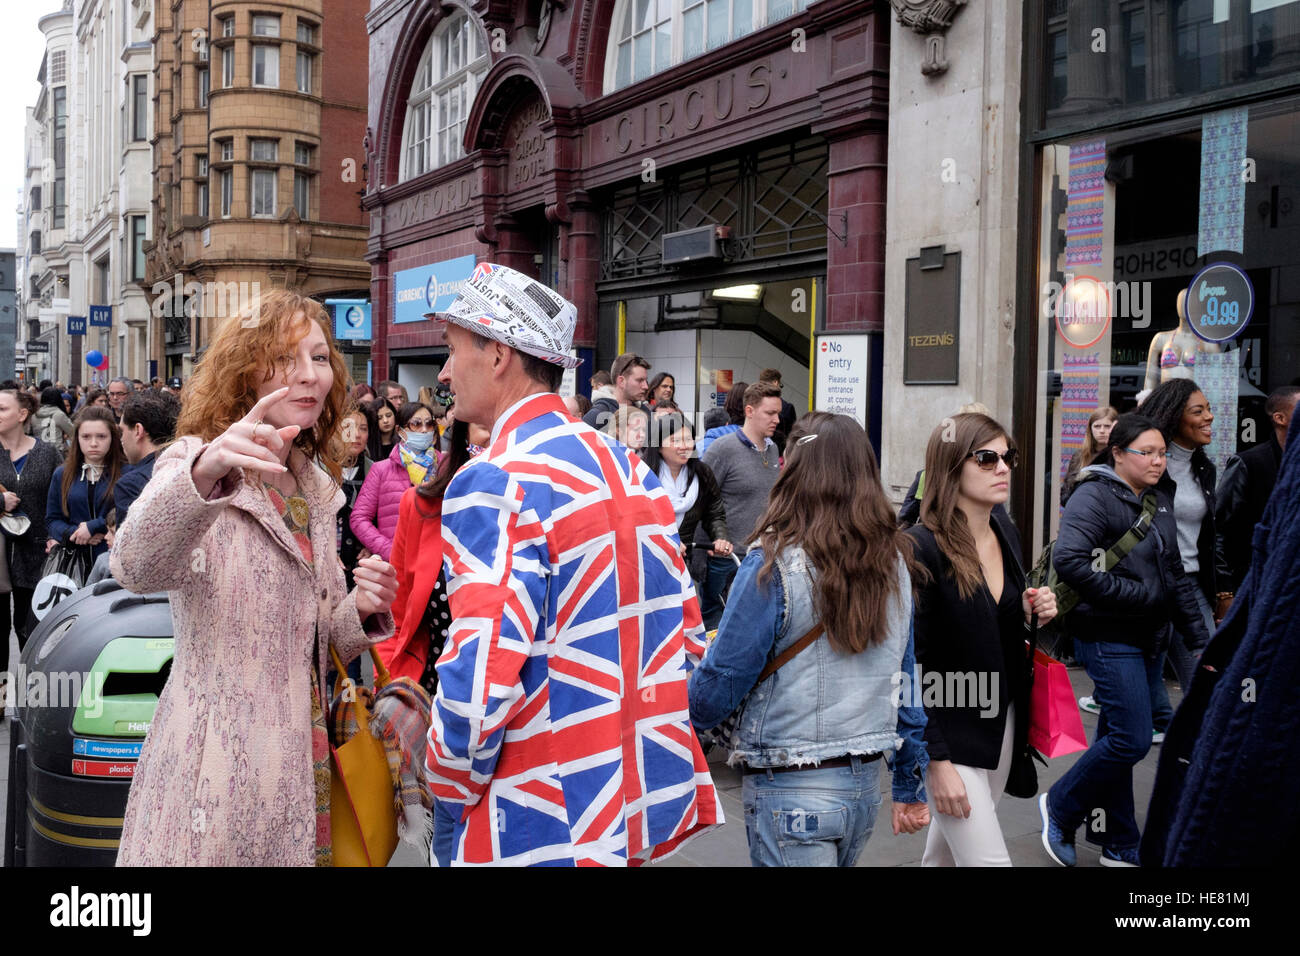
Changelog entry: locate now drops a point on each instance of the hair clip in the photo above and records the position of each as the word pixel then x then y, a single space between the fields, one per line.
pixel 805 439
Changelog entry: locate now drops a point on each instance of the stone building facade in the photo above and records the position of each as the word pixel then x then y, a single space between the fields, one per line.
pixel 258 161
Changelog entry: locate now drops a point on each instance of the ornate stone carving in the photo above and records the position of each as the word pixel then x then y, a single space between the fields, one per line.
pixel 931 19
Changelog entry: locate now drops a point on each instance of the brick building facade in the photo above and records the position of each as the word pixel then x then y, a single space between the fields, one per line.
pixel 257 161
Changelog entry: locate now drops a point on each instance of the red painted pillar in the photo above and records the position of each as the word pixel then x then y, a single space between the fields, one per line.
pixel 855 241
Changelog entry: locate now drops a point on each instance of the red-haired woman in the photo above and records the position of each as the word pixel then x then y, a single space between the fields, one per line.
pixel 238 525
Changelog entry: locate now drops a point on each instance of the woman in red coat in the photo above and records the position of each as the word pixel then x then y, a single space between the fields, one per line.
pixel 420 609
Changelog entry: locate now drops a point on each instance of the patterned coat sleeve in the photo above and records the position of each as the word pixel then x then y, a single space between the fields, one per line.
pixel 152 551
pixel 499 563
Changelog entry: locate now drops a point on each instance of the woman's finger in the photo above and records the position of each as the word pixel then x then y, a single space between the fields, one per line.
pixel 258 411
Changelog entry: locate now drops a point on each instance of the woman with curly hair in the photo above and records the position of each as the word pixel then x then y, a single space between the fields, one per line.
pixel 237 524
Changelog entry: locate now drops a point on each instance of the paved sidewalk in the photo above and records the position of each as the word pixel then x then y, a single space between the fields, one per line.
pixel 727 846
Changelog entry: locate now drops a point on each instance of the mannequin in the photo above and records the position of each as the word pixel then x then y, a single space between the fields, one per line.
pixel 1173 353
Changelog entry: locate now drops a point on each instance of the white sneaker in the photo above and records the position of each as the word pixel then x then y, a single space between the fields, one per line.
pixel 1089 705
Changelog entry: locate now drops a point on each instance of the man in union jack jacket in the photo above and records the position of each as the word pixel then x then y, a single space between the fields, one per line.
pixel 560 731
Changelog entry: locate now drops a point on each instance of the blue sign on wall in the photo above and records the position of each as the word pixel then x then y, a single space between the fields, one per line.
pixel 351 319
pixel 428 288
pixel 76 325
pixel 1220 301
pixel 101 316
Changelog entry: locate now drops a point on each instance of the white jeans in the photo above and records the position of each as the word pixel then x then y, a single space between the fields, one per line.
pixel 975 840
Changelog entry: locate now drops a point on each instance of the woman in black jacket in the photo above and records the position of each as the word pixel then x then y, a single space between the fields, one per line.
pixel 27 465
pixel 972 616
pixel 1182 413
pixel 1118 626
pixel 691 486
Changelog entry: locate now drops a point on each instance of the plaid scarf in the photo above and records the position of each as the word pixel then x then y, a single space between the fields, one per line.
pixel 399 718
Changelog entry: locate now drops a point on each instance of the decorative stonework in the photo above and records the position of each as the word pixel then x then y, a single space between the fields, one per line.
pixel 931 19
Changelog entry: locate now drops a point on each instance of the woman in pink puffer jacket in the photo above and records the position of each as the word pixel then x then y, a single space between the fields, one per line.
pixel 374 516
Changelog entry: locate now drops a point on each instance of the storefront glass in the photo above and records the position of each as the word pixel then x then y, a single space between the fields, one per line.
pixel 1128 220
pixel 1120 54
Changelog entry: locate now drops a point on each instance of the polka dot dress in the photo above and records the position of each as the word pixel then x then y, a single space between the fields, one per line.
pixel 437 618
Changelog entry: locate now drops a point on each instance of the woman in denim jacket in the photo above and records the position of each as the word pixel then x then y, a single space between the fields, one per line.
pixel 810 734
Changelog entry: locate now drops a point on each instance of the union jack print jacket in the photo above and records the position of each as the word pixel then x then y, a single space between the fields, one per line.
pixel 561 722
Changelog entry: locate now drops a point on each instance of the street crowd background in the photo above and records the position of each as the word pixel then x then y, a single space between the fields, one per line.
pixel 578 599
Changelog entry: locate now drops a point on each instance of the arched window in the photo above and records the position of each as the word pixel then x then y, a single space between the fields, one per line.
pixel 649 36
pixel 446 80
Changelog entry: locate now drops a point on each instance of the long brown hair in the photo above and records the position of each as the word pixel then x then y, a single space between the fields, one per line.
pixel 951 443
pixel 1091 449
pixel 828 500
pixel 74 459
pixel 243 355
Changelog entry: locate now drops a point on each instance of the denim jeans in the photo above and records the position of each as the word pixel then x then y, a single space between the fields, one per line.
pixel 1184 657
pixel 1098 790
pixel 811 817
pixel 716 581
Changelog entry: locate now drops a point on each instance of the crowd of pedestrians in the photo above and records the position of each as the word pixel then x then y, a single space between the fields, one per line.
pixel 593 596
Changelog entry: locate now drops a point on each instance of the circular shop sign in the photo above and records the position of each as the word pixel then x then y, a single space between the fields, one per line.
pixel 431 290
pixel 1083 312
pixel 354 316
pixel 1220 301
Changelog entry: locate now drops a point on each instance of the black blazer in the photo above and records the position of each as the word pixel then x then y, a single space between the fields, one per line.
pixel 956 637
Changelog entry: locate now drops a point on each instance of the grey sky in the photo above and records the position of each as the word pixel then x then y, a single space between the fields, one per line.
pixel 21 47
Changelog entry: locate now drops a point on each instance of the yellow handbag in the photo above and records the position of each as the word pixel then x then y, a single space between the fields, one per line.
pixel 363 818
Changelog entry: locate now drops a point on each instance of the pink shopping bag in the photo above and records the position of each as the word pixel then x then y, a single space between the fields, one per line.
pixel 1055 727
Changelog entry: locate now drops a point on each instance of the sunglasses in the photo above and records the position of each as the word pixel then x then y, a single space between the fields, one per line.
pixel 987 459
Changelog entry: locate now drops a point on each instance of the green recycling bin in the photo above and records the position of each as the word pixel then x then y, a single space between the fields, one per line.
pixel 89 683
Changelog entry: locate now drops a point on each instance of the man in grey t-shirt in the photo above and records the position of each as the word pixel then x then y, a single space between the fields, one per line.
pixel 746 464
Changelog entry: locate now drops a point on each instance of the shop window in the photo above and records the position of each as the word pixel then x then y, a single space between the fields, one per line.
pixel 1154 52
pixel 1107 312
pixel 446 80
pixel 649 36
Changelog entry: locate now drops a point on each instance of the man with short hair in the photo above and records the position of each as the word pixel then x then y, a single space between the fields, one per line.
pixel 137 385
pixel 631 380
pixel 788 413
pixel 745 464
pixel 148 423
pixel 560 731
pixel 118 390
pixel 1244 490
pixel 392 391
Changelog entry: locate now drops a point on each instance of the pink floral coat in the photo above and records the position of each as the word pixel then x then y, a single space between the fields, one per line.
pixel 225 775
